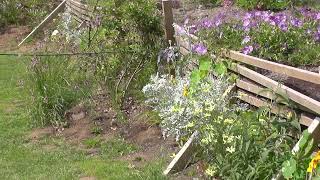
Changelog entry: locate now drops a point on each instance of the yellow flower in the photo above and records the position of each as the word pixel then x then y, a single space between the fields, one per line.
pixel 289 115
pixel 185 91
pixel 314 163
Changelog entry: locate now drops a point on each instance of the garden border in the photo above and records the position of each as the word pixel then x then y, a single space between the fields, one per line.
pixel 250 92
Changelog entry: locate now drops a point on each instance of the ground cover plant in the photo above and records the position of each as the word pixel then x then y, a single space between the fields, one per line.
pixel 287 37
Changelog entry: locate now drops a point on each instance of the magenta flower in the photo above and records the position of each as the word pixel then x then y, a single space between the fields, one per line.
pixel 199 49
pixel 247 50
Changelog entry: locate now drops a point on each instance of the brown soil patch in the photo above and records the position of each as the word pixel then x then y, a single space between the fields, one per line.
pixel 37 134
pixel 82 120
pixel 10 39
pixel 88 178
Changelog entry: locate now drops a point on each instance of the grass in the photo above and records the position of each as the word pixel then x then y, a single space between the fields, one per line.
pixel 51 158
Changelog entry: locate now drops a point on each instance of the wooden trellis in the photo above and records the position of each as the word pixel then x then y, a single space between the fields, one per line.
pixel 79 9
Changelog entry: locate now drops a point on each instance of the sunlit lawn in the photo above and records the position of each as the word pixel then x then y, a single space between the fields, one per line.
pixel 21 158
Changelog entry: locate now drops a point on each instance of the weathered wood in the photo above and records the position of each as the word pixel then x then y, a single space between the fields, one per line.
pixel 264 92
pixel 274 67
pixel 182 159
pixel 78 4
pixel 49 18
pixel 295 96
pixel 181 42
pixel 255 89
pixel 184 51
pixel 168 20
pixel 314 130
pixel 82 14
pixel 255 101
pixel 193 37
pixel 281 111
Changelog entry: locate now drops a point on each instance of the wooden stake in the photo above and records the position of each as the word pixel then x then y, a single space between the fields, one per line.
pixel 182 159
pixel 168 20
pixel 50 17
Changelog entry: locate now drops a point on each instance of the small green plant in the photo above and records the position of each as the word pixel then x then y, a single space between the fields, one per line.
pixel 96 130
pixel 93 142
pixel 117 147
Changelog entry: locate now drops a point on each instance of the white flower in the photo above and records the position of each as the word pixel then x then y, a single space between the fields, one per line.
pixel 55 32
pixel 211 171
pixel 231 149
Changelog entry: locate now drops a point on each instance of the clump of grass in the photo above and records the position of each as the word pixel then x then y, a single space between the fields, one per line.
pixel 56 84
pixel 117 147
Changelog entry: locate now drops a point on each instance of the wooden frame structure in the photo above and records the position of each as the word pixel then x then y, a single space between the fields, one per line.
pixel 251 87
pixel 80 11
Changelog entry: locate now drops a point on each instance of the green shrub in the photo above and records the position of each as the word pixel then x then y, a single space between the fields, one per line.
pixel 131 29
pixel 24 12
pixel 56 84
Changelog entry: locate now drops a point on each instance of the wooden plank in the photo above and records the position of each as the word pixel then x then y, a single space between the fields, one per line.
pixel 255 101
pixel 183 43
pixel 78 4
pixel 82 14
pixel 193 37
pixel 295 96
pixel 49 18
pixel 261 91
pixel 182 159
pixel 283 111
pixel 184 51
pixel 255 89
pixel 275 67
pixel 168 20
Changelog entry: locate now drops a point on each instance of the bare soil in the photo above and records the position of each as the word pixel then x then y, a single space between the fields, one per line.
pixel 140 132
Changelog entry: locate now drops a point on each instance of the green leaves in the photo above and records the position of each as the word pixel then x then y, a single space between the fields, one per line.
pixel 205 66
pixel 288 168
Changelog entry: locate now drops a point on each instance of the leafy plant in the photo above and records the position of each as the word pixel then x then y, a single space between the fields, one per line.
pixel 56 84
pixel 289 38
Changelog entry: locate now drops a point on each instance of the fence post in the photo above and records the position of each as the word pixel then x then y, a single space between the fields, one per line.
pixel 168 20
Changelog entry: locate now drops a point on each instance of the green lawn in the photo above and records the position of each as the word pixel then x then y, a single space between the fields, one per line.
pixel 21 158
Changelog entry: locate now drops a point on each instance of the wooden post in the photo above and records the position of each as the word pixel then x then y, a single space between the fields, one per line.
pixel 168 20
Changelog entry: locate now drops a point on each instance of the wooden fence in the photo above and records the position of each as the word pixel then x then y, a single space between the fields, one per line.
pixel 80 11
pixel 251 85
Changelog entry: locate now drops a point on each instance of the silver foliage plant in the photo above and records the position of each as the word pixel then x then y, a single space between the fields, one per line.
pixel 183 108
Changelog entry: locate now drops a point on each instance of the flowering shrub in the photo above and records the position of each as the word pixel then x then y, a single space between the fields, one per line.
pixel 182 107
pixel 282 37
pixel 236 143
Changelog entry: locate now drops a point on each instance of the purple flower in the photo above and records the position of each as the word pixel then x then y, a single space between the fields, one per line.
pixel 246 39
pixel 248 16
pixel 247 50
pixel 246 23
pixel 200 49
pixel 258 13
pixel 317 16
pixel 296 22
pixel 283 26
pixel 207 23
pixel 317 37
pixel 218 22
